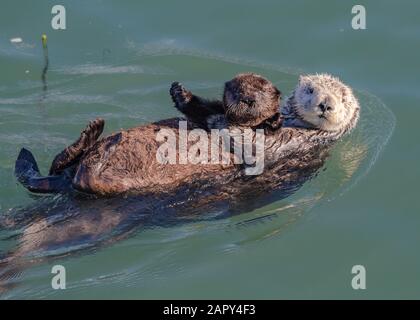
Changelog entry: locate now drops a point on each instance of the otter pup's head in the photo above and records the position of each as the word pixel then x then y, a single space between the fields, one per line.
pixel 324 102
pixel 250 99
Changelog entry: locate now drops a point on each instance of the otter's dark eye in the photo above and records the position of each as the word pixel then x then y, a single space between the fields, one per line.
pixel 309 90
pixel 248 100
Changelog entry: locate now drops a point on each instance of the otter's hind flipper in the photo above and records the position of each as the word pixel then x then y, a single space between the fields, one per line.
pixel 71 155
pixel 27 173
pixel 25 166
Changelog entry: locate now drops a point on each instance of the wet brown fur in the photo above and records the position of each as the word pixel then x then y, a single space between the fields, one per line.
pixel 126 161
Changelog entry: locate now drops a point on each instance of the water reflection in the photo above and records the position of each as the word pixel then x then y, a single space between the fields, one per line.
pixel 69 224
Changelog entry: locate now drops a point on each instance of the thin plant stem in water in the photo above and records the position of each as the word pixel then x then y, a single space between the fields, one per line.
pixel 44 78
pixel 46 62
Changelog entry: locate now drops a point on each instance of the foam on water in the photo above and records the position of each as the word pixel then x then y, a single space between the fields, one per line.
pixel 95 69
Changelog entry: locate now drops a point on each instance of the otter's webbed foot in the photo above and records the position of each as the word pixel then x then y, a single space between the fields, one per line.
pixel 91 133
pixel 72 153
pixel 180 96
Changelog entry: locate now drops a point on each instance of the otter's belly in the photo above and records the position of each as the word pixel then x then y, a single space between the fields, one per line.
pixel 127 162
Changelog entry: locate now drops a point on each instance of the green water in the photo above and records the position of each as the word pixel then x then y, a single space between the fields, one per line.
pixel 117 59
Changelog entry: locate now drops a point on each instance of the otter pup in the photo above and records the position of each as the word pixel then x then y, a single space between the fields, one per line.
pixel 320 110
pixel 249 100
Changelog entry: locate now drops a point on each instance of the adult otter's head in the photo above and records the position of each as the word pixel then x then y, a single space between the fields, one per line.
pixel 323 102
pixel 249 99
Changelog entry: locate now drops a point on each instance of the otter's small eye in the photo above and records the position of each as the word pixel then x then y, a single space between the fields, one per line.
pixel 249 101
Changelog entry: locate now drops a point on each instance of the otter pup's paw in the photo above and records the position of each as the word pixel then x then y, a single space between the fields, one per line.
pixel 180 95
pixel 275 121
pixel 92 132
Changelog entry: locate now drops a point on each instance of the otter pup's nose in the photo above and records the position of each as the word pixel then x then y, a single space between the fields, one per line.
pixel 322 106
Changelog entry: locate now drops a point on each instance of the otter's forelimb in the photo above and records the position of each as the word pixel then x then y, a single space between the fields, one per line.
pixel 195 108
pixel 272 124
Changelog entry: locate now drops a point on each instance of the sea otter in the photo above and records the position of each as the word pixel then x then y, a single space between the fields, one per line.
pixel 320 110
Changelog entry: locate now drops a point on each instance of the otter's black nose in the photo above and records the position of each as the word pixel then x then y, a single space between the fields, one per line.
pixel 322 106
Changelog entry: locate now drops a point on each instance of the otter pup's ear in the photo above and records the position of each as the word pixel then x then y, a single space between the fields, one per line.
pixel 277 93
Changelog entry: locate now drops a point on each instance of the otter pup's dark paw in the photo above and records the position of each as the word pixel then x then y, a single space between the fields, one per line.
pixel 273 123
pixel 92 132
pixel 180 95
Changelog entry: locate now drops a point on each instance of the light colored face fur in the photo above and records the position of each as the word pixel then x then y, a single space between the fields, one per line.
pixel 325 103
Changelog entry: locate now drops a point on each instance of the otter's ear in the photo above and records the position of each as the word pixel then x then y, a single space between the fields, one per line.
pixel 277 93
pixel 302 79
pixel 346 94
